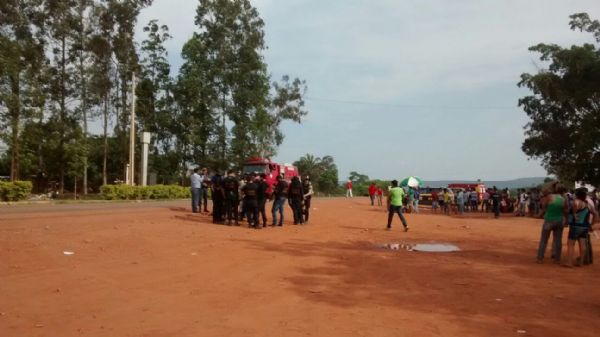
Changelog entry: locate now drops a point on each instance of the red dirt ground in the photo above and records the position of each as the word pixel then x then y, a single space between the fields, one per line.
pixel 155 269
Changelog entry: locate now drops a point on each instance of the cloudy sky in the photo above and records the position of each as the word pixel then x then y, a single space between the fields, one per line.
pixel 404 87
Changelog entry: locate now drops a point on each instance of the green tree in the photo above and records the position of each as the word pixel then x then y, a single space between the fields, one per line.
pixel 224 84
pixel 21 60
pixel 564 107
pixel 323 172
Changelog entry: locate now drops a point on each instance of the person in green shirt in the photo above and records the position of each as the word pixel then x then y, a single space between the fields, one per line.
pixel 394 202
pixel 554 208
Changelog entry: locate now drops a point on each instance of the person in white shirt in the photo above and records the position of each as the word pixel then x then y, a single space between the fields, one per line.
pixel 196 188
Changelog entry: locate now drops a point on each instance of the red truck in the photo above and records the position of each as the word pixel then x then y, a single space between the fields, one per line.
pixel 271 170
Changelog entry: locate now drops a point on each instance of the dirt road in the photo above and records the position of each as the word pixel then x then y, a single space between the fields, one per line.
pixel 155 269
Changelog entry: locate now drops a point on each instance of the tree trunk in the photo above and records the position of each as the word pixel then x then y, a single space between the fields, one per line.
pixel 63 114
pixel 15 115
pixel 75 188
pixel 105 133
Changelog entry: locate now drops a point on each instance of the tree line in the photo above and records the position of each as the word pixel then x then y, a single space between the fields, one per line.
pixel 67 68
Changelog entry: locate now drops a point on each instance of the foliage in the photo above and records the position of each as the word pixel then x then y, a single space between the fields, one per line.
pixel 15 191
pixel 65 64
pixel 322 171
pixel 128 192
pixel 564 108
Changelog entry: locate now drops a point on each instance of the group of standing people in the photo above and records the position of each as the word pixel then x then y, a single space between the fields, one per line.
pixel 577 211
pixel 234 199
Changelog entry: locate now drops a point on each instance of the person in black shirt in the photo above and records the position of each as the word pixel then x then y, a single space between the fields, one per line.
pixel 231 189
pixel 250 191
pixel 218 198
pixel 495 196
pixel 295 197
pixel 261 197
pixel 279 196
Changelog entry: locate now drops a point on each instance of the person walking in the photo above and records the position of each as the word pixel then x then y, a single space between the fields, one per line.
pixel 279 197
pixel 349 189
pixel 447 197
pixel 295 196
pixel 308 193
pixel 394 202
pixel 231 189
pixel 261 197
pixel 196 187
pixel 554 209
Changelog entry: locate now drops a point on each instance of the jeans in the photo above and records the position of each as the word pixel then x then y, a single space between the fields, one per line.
pixel 372 199
pixel 461 207
pixel 195 198
pixel 278 204
pixel 416 205
pixel 556 228
pixel 395 209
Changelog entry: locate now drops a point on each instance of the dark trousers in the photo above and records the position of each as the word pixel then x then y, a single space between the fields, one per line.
pixel 217 208
pixel 231 209
pixel 496 209
pixel 251 207
pixel 372 197
pixel 297 210
pixel 195 199
pixel 204 199
pixel 262 211
pixel 395 210
pixel 306 208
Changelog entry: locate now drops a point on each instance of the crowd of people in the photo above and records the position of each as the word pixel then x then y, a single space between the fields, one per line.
pixel 560 208
pixel 234 199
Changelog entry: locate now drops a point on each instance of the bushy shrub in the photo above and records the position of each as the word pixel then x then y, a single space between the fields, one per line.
pixel 127 192
pixel 19 190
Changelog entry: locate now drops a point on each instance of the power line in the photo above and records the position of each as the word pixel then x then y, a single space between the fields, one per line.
pixel 416 106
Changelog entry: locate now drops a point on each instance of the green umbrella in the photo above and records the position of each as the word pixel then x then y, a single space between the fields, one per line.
pixel 412 182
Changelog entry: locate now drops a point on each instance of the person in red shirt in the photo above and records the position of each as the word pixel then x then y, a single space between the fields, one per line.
pixel 349 189
pixel 379 196
pixel 372 192
pixel 434 201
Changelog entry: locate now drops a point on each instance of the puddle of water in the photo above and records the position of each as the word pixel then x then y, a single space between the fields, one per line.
pixel 435 247
pixel 422 247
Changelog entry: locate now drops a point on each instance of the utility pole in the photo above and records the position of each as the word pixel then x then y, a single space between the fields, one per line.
pixel 131 179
